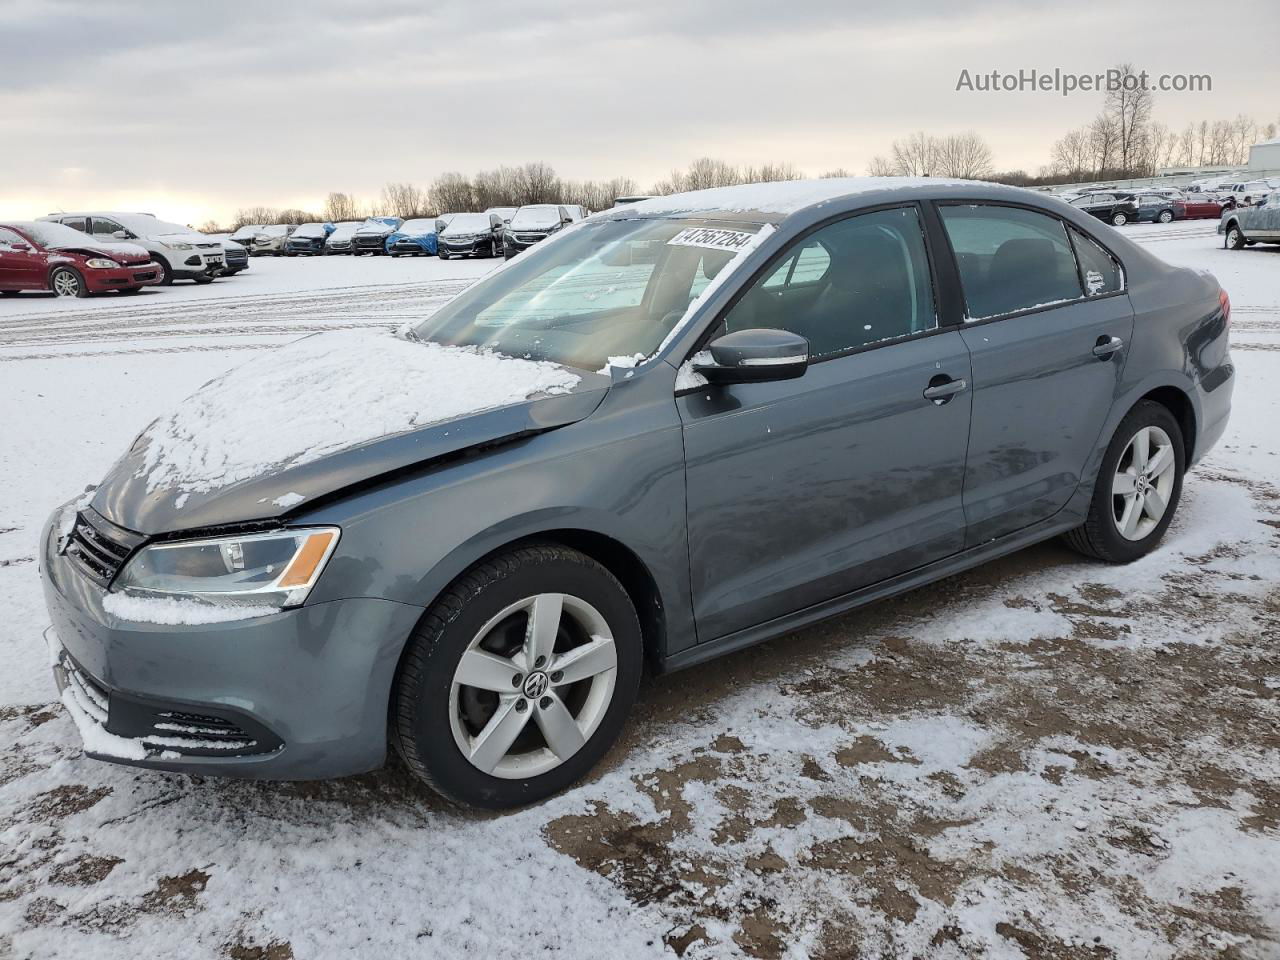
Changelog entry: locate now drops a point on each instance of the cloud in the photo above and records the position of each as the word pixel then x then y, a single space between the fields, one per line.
pixel 278 103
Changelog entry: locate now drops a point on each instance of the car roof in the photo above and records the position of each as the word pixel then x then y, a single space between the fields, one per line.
pixel 775 202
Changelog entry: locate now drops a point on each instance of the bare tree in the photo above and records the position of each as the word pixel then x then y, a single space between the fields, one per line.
pixel 404 200
pixel 916 155
pixel 255 215
pixel 1102 144
pixel 1071 156
pixel 1129 106
pixel 880 167
pixel 451 193
pixel 837 173
pixel 963 155
pixel 536 182
pixel 770 173
pixel 339 207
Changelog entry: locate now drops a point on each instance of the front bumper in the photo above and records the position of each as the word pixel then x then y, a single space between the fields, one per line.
pixel 301 694
pixel 470 248
pixel 138 275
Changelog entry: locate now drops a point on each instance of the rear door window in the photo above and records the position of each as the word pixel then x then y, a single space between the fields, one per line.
pixel 1100 270
pixel 1010 259
pixel 77 223
pixel 102 227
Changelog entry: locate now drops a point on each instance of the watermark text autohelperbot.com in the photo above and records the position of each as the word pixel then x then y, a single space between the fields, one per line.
pixel 1066 83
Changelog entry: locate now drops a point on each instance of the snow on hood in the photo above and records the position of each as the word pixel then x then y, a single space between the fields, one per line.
pixel 327 393
pixel 107 249
pixel 782 197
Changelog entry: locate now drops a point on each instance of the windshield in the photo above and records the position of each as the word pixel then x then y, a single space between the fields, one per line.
pixel 310 230
pixel 415 227
pixel 469 223
pixel 344 231
pixel 610 289
pixel 374 226
pixel 532 218
pixel 55 235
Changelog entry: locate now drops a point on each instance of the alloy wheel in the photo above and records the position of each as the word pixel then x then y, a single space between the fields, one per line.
pixel 1143 483
pixel 66 284
pixel 532 686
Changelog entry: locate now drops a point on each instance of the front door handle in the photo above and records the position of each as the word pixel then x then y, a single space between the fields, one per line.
pixel 1106 346
pixel 942 388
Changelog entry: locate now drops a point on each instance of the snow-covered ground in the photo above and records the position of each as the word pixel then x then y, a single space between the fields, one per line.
pixel 1042 758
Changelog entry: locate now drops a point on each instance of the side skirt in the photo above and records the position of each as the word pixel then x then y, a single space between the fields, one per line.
pixel 1070 517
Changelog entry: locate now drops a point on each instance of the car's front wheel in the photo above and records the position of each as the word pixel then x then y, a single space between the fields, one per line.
pixel 66 282
pixel 1235 237
pixel 1119 219
pixel 1138 487
pixel 1166 216
pixel 518 679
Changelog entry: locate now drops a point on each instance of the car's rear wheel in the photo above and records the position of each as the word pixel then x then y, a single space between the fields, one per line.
pixel 1138 487
pixel 1166 216
pixel 1235 237
pixel 518 679
pixel 1119 219
pixel 67 282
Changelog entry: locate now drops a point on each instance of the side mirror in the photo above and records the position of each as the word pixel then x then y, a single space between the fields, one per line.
pixel 754 356
pixel 121 234
pixel 20 245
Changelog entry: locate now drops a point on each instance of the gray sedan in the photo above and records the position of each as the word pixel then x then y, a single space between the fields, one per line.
pixel 676 429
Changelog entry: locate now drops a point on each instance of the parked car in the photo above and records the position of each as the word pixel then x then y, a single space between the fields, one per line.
pixel 269 241
pixel 1249 192
pixel 371 236
pixel 1244 226
pixel 471 235
pixel 414 238
pixel 237 258
pixel 1154 208
pixel 180 252
pixel 630 199
pixel 469 546
pixel 244 235
pixel 308 239
pixel 1199 206
pixel 506 213
pixel 532 224
pixel 1115 208
pixel 49 256
pixel 340 241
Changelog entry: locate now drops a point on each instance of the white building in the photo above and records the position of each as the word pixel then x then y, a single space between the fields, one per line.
pixel 1265 155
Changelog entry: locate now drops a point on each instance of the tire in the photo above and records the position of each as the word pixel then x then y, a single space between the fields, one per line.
pixel 1101 536
pixel 1119 219
pixel 1235 237
pixel 67 282
pixel 166 271
pixel 130 291
pixel 202 278
pixel 10 293
pixel 443 254
pixel 436 717
pixel 1166 216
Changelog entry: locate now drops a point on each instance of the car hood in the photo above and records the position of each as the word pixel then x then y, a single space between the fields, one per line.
pixel 119 251
pixel 323 414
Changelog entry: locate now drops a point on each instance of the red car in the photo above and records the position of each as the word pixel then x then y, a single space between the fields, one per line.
pixel 1199 207
pixel 49 256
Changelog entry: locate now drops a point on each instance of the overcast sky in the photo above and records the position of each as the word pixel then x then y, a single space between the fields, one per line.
pixel 193 110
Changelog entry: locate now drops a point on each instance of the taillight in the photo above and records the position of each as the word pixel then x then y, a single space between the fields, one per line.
pixel 1225 303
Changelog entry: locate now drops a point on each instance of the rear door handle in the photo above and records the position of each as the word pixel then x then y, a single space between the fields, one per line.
pixel 942 388
pixel 1106 346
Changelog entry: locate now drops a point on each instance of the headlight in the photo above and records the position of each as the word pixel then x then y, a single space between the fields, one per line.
pixel 102 263
pixel 277 568
pixel 176 245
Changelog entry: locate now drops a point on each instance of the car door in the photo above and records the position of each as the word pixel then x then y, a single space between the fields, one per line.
pixel 22 265
pixel 801 490
pixel 1048 337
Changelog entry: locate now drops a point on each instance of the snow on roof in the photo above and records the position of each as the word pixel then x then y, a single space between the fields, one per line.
pixel 783 197
pixel 326 393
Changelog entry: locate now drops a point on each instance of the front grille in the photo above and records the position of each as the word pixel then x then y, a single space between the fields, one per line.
pixel 206 246
pixel 99 547
pixel 529 237
pixel 141 277
pixel 369 241
pixel 90 695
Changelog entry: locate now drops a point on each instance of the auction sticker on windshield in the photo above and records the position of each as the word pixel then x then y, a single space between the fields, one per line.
pixel 715 239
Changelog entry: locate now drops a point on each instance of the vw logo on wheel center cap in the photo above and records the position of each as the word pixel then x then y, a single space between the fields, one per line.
pixel 536 684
